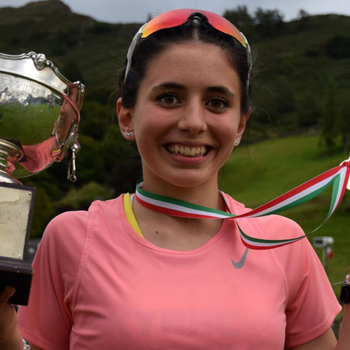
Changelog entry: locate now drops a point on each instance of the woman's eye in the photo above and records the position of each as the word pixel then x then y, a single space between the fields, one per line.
pixel 168 99
pixel 218 103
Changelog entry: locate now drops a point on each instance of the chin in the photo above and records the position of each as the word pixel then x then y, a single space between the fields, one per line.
pixel 186 180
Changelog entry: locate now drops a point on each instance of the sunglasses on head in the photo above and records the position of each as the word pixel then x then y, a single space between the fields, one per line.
pixel 176 18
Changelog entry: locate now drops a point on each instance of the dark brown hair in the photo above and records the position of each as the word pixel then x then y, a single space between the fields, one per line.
pixel 195 29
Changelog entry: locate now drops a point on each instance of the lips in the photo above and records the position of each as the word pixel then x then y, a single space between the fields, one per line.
pixel 187 151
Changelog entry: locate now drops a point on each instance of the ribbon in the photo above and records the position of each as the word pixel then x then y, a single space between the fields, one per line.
pixel 338 177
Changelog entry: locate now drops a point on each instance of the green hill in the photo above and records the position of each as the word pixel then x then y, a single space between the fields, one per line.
pixel 80 46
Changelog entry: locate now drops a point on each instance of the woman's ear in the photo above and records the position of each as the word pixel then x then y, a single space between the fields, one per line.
pixel 125 120
pixel 243 124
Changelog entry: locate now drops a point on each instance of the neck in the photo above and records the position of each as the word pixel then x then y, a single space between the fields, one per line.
pixel 162 228
pixel 205 194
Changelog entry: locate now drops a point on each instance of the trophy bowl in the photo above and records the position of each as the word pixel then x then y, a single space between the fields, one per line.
pixel 39 117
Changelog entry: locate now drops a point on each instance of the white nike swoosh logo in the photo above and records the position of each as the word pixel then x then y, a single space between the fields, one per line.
pixel 239 264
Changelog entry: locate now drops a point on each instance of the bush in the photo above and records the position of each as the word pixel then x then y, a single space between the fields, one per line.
pixel 82 198
pixel 338 47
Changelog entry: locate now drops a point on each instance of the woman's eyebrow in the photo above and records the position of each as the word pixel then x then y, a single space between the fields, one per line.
pixel 176 86
pixel 170 85
pixel 221 89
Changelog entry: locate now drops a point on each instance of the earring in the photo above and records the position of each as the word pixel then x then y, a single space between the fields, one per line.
pixel 129 135
pixel 236 143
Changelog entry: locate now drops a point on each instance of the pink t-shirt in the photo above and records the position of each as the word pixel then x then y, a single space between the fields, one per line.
pixel 99 285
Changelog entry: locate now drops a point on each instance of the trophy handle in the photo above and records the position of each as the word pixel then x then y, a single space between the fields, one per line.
pixel 71 170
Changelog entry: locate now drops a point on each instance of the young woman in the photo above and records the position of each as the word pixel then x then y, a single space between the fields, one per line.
pixel 127 273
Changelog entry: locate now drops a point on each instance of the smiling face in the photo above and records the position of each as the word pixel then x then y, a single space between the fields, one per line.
pixel 187 116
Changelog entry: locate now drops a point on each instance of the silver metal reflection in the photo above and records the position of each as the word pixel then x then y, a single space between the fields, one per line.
pixel 39 116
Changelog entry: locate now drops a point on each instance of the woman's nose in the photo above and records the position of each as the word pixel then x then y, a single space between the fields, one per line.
pixel 193 118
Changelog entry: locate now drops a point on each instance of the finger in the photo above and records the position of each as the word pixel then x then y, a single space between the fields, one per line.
pixel 6 294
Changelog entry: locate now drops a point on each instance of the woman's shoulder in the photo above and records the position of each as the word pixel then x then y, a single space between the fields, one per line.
pixel 72 227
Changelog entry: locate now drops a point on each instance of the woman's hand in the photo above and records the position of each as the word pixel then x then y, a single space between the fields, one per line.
pixel 9 336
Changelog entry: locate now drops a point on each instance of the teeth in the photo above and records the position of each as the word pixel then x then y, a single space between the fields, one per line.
pixel 187 151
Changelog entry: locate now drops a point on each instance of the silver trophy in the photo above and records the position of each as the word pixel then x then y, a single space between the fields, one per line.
pixel 39 117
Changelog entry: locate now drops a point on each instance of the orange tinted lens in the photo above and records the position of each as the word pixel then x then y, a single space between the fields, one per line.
pixel 224 26
pixel 177 17
pixel 166 20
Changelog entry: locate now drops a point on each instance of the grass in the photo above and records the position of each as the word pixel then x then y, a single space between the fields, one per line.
pixel 263 171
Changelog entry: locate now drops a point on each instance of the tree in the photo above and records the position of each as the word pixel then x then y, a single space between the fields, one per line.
pixel 71 70
pixel 285 99
pixel 343 123
pixel 338 47
pixel 302 14
pixel 94 120
pixel 149 16
pixel 302 19
pixel 82 198
pixel 310 111
pixel 90 160
pixel 43 212
pixel 268 22
pixel 329 120
pixel 240 18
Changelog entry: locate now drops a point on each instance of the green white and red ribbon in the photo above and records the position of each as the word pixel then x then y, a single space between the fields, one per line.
pixel 338 177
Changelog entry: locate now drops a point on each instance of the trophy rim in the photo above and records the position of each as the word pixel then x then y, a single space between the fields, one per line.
pixel 38 65
pixel 40 62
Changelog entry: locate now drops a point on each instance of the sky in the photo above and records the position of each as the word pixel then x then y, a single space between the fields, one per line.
pixel 126 11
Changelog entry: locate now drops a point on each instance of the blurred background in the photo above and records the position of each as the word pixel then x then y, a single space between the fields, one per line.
pixel 300 126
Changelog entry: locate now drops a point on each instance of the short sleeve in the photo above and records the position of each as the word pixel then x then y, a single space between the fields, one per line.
pixel 312 305
pixel 47 320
